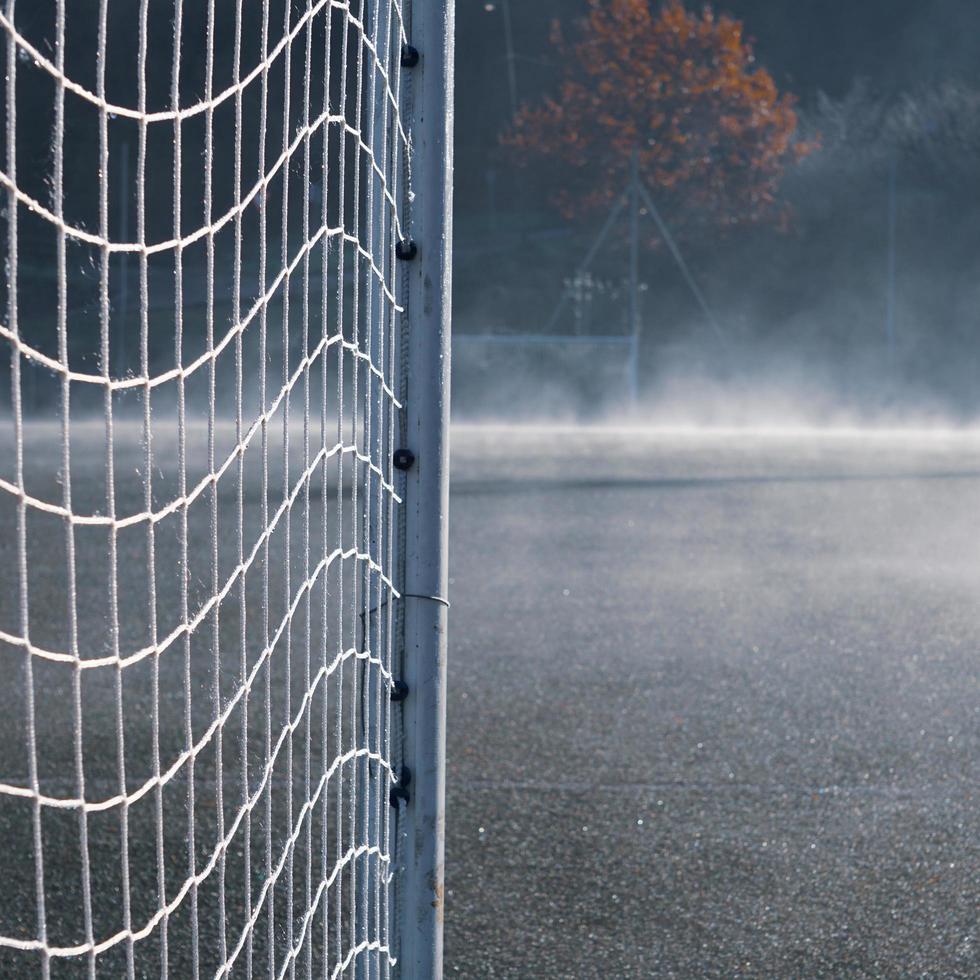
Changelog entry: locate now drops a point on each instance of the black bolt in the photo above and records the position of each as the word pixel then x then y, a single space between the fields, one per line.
pixel 406 250
pixel 403 459
pixel 410 56
pixel 399 691
pixel 400 790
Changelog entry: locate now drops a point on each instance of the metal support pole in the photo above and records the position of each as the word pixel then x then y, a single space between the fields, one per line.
pixel 634 276
pixel 511 66
pixel 421 831
pixel 492 197
pixel 892 258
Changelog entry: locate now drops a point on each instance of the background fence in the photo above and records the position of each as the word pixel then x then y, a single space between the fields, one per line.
pixel 226 245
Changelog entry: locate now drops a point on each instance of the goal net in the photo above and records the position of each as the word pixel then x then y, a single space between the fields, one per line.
pixel 206 206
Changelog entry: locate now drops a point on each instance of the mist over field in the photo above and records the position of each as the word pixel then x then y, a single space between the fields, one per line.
pixel 684 389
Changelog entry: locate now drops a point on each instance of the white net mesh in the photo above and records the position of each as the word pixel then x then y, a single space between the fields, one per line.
pixel 198 510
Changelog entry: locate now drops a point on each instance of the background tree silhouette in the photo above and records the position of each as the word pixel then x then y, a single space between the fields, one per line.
pixel 713 134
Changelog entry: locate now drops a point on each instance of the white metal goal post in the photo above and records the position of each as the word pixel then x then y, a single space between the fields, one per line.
pixel 223 486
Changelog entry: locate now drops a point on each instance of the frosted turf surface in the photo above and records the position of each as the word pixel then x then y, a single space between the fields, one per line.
pixel 765 649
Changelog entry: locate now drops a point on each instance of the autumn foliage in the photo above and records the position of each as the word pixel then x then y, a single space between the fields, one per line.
pixel 712 132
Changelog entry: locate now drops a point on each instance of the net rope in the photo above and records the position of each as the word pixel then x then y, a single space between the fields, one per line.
pixel 200 623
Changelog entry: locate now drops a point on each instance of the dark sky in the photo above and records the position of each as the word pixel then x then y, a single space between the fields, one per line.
pixel 824 44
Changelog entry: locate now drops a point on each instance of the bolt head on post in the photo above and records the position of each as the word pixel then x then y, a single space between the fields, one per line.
pixel 410 56
pixel 403 459
pixel 399 792
pixel 406 250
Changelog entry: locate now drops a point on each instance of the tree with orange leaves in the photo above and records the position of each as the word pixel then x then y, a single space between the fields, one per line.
pixel 712 134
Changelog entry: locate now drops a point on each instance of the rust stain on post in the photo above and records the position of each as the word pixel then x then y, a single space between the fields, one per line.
pixel 439 904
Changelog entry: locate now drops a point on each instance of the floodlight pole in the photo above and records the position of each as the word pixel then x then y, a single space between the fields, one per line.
pixel 611 220
pixel 892 258
pixel 634 280
pixel 511 66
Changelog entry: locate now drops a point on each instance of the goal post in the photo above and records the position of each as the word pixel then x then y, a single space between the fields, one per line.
pixel 425 600
pixel 224 418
